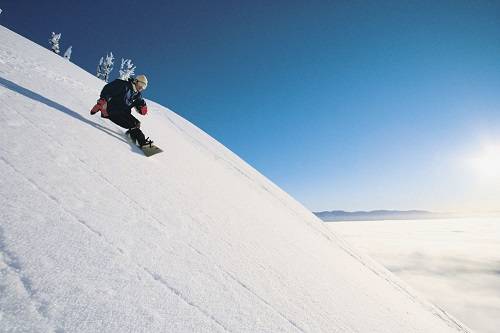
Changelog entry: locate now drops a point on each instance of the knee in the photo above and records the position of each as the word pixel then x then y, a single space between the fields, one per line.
pixel 137 125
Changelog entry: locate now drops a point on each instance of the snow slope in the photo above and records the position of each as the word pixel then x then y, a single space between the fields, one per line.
pixel 94 237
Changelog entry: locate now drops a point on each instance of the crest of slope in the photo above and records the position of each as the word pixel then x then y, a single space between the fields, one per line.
pixel 95 237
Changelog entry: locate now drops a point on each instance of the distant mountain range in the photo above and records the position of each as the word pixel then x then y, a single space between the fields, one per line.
pixel 340 215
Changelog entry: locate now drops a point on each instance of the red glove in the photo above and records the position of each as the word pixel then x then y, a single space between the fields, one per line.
pixel 101 105
pixel 143 110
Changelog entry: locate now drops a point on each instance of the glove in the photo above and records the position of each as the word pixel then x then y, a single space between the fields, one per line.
pixel 101 105
pixel 143 110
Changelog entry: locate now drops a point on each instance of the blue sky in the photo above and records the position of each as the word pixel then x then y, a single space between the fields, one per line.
pixel 344 104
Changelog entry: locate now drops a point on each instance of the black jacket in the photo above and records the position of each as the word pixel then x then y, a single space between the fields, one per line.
pixel 121 97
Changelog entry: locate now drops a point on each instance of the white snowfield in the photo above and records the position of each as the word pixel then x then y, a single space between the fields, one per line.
pixel 95 237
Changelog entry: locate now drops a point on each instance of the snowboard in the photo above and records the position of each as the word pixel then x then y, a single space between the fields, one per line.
pixel 150 150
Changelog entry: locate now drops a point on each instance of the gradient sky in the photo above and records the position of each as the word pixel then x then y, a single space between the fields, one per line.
pixel 348 105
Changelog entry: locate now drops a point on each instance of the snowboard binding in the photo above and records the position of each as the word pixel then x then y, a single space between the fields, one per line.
pixel 147 142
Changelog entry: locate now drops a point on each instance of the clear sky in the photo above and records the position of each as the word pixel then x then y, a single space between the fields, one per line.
pixel 350 105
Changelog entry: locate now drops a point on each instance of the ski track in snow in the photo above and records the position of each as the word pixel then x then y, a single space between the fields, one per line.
pixel 249 290
pixel 156 277
pixel 159 279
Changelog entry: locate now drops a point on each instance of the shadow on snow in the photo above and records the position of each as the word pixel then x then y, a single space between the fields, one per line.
pixel 39 98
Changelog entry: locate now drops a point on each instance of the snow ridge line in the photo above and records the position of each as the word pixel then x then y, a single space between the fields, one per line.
pixel 318 227
pixel 314 223
pixel 332 237
pixel 14 264
pixel 157 277
pixel 217 156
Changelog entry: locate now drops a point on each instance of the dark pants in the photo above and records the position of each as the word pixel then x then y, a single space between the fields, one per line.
pixel 126 120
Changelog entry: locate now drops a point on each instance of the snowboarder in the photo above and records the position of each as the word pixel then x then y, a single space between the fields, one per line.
pixel 116 102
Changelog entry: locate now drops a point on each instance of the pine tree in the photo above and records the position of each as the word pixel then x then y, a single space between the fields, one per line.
pixel 99 72
pixel 127 69
pixel 67 54
pixel 54 41
pixel 105 67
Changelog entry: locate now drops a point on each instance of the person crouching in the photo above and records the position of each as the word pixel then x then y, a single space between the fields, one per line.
pixel 116 102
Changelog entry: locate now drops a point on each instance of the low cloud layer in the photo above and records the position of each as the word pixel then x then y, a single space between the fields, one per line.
pixel 453 263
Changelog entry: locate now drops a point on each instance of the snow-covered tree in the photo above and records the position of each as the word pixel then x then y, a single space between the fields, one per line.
pixel 127 69
pixel 54 42
pixel 105 67
pixel 99 69
pixel 67 54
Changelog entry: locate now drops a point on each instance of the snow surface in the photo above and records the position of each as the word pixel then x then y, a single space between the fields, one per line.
pixel 453 262
pixel 95 237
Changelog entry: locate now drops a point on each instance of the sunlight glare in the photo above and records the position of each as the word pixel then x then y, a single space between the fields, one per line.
pixel 487 162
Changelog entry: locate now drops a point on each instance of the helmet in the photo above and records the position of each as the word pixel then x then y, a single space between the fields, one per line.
pixel 141 80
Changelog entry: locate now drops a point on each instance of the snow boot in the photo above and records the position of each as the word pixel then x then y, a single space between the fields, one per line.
pixel 137 137
pixel 147 142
